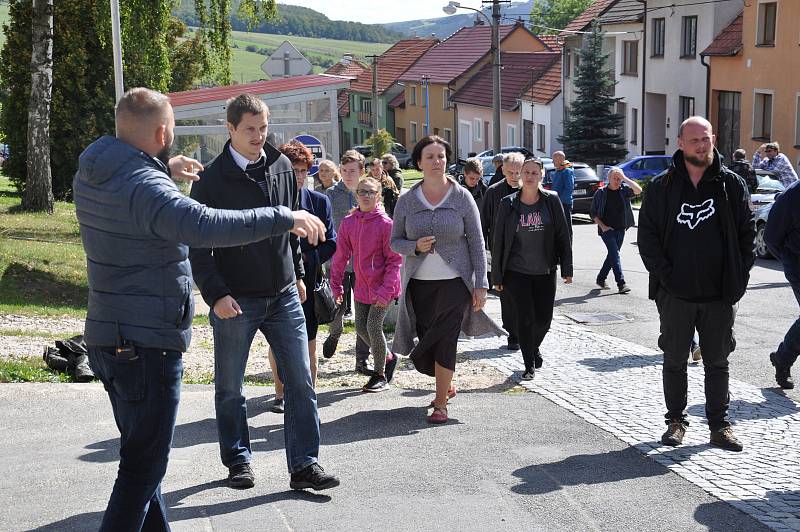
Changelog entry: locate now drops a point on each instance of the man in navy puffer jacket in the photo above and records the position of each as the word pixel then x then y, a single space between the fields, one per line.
pixel 136 227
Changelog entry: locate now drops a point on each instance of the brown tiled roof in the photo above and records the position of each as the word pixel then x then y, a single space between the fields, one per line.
pixel 729 40
pixel 343 103
pixel 583 20
pixel 393 62
pixel 622 11
pixel 398 101
pixel 455 55
pixel 551 41
pixel 547 87
pixel 351 68
pixel 520 69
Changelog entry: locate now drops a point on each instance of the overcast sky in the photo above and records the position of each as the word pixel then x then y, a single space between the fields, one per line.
pixel 379 11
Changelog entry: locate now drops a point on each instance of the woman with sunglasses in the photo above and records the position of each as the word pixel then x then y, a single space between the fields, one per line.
pixel 437 229
pixel 365 235
pixel 530 238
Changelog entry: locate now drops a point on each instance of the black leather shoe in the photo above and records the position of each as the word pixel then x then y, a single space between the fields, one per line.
pixel 313 477
pixel 783 375
pixel 329 346
pixel 240 476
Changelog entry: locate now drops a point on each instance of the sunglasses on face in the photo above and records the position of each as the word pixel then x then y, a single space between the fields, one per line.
pixel 367 193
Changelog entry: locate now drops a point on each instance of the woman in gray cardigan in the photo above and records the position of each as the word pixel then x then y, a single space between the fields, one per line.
pixel 437 229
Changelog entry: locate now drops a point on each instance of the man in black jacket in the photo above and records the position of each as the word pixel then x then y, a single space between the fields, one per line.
pixel 696 233
pixel 257 287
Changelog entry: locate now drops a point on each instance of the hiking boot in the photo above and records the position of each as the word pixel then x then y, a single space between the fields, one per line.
pixel 277 406
pixel 313 477
pixel 241 477
pixel 624 289
pixel 391 365
pixel 783 375
pixel 602 284
pixel 528 375
pixel 376 383
pixel 676 430
pixel 537 360
pixel 365 368
pixel 724 439
pixel 329 346
pixel 79 367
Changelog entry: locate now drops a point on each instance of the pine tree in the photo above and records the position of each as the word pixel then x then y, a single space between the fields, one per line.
pixel 591 129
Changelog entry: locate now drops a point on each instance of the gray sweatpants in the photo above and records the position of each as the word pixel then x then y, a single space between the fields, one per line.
pixel 369 328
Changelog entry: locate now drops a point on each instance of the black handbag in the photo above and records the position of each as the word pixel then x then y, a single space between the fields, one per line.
pixel 325 306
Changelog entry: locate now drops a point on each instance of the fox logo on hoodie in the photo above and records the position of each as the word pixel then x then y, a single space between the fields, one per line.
pixel 692 215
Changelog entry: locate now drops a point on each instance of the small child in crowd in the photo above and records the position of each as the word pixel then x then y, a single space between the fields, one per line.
pixel 365 235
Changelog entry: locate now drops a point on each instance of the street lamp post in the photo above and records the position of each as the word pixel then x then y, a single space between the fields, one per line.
pixel 450 9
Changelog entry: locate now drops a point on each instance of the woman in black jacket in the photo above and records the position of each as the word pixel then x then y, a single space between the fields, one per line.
pixel 530 238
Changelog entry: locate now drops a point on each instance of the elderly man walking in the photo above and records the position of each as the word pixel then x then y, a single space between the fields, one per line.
pixel 696 233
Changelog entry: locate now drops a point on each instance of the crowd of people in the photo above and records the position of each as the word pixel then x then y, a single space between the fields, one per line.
pixel 260 241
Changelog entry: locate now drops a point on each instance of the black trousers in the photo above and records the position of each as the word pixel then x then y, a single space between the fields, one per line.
pixel 533 297
pixel 508 315
pixel 568 215
pixel 714 323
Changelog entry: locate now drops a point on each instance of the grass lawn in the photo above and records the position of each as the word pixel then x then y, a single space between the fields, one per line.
pixel 42 264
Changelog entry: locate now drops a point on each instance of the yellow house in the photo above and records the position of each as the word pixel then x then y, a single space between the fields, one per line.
pixel 754 86
pixel 445 68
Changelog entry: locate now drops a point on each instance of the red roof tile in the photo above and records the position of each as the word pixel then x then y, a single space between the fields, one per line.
pixel 392 63
pixel 551 41
pixel 729 40
pixel 343 102
pixel 583 20
pixel 547 87
pixel 350 69
pixel 455 55
pixel 273 86
pixel 520 69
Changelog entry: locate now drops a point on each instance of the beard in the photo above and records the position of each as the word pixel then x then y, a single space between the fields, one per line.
pixel 698 162
pixel 163 155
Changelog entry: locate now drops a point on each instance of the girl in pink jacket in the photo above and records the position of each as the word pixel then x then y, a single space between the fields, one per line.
pixel 365 234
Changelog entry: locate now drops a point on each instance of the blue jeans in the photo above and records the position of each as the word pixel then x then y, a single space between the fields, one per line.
pixel 613 240
pixel 790 347
pixel 144 394
pixel 280 319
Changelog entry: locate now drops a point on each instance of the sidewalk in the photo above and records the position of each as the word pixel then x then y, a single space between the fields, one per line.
pixel 581 453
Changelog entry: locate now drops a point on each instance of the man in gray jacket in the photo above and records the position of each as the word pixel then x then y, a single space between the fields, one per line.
pixel 136 227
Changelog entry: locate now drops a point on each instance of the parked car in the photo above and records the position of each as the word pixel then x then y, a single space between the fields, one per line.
pixel 586 184
pixel 769 187
pixel 398 150
pixel 645 166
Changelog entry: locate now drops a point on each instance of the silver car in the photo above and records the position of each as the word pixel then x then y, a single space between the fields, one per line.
pixel 763 199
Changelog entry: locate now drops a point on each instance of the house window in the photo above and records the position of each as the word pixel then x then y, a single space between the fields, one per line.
pixel 634 125
pixel 412 100
pixel 446 103
pixel 577 61
pixel 448 134
pixel 414 137
pixel 366 106
pixel 630 58
pixel 478 129
pixel 767 12
pixel 729 121
pixel 541 136
pixel 621 108
pixel 567 62
pixel 527 134
pixel 659 24
pixel 762 116
pixel 686 104
pixel 689 37
pixel 511 135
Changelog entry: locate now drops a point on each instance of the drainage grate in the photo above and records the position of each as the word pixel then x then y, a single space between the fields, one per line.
pixel 598 319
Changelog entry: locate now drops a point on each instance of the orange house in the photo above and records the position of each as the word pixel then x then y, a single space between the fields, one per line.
pixel 754 86
pixel 444 69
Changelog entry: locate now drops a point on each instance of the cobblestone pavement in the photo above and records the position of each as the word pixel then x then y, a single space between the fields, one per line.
pixel 616 385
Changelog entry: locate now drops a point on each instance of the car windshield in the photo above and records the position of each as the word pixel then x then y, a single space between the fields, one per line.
pixel 767 184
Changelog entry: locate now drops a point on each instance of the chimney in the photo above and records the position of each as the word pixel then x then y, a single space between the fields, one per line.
pixel 478 21
pixel 347 59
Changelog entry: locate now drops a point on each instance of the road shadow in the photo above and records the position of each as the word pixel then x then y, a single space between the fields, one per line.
pixel 608 365
pixel 586 469
pixel 774 405
pixel 740 515
pixel 23 285
pixel 770 264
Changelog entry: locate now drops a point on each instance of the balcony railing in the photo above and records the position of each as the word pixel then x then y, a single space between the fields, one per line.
pixel 364 118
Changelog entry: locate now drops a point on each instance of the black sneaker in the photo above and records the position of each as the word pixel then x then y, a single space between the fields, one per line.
pixel 391 365
pixel 537 360
pixel 783 375
pixel 602 284
pixel 624 289
pixel 365 368
pixel 528 375
pixel 376 383
pixel 724 439
pixel 313 477
pixel 277 406
pixel 241 477
pixel 676 430
pixel 329 346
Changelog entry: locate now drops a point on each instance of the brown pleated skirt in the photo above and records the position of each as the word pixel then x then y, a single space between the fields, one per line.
pixel 439 309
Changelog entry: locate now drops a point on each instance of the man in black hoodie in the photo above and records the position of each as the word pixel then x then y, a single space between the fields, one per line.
pixel 257 287
pixel 696 233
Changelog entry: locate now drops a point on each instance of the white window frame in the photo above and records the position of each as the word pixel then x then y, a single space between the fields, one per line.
pixel 626 59
pixel 446 92
pixel 413 99
pixel 511 135
pixel 414 132
pixel 448 134
pixel 541 140
pixel 771 94
pixel 759 12
pixel 477 127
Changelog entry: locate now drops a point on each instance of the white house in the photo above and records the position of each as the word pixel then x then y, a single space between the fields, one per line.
pixel 541 113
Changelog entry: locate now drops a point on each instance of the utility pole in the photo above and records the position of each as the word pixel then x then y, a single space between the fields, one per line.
pixel 496 74
pixel 374 106
pixel 426 81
